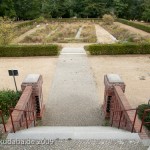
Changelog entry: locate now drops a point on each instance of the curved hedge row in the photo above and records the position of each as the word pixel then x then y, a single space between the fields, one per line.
pixel 136 25
pixel 32 50
pixel 118 49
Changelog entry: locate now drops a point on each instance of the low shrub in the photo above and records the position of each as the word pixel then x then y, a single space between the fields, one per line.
pixel 108 19
pixel 141 109
pixel 118 49
pixel 32 50
pixel 8 98
pixel 136 25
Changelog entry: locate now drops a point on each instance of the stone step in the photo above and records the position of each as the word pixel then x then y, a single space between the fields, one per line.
pixel 76 133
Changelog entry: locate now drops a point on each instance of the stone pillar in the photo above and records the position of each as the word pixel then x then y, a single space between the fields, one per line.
pixel 111 80
pixel 36 81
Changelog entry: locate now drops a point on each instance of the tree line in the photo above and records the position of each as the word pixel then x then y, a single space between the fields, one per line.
pixel 31 9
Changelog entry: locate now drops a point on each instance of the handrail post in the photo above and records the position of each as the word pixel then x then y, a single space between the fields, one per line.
pixel 33 118
pixel 10 111
pixel 143 118
pixel 26 118
pixel 1 113
pixel 134 121
pixel 112 119
pixel 120 120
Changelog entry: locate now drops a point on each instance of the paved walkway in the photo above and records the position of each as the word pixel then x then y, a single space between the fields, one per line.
pixel 73 99
pixel 103 36
pixel 133 30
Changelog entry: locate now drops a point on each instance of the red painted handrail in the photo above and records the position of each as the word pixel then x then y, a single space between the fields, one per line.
pixel 121 113
pixel 3 122
pixel 25 114
pixel 143 118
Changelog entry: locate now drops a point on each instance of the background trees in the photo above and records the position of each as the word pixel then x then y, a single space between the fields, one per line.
pixel 31 9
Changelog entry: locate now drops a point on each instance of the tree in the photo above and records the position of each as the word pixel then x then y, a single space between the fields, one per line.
pixel 146 13
pixel 120 8
pixel 28 9
pixel 7 8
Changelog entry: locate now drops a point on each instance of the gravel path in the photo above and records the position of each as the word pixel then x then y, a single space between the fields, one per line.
pixel 78 33
pixel 73 99
pixel 132 29
pixel 20 38
pixel 103 36
pixel 82 145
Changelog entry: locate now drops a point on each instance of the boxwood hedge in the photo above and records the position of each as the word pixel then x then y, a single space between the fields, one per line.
pixel 134 24
pixel 118 49
pixel 32 50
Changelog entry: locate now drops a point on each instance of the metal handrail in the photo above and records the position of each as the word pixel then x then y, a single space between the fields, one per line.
pixel 121 111
pixel 25 113
pixel 143 118
pixel 3 122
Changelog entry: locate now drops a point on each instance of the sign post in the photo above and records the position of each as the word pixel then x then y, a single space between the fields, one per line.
pixel 13 72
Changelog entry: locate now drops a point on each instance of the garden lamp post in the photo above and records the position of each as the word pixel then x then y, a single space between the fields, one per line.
pixel 13 72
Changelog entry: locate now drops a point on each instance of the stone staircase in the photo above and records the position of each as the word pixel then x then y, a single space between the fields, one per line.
pixel 47 132
pixel 76 138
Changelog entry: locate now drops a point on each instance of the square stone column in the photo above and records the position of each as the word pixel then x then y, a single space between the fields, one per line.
pixel 111 80
pixel 36 81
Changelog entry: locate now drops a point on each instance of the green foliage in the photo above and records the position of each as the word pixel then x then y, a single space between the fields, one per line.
pixel 120 8
pixel 31 9
pixel 118 49
pixel 6 31
pixel 141 109
pixel 24 51
pixel 7 8
pixel 8 98
pixel 108 19
pixel 146 13
pixel 136 25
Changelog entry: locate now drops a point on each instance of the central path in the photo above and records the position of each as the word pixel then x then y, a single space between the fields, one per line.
pixel 73 99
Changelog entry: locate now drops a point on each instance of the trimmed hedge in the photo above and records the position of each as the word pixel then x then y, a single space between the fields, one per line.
pixel 75 19
pixel 24 51
pixel 136 25
pixel 8 98
pixel 118 49
pixel 141 109
pixel 26 23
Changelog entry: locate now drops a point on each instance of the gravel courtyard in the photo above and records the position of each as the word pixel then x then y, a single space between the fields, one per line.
pixel 29 65
pixel 134 70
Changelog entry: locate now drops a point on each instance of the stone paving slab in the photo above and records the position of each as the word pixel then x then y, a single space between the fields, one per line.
pixel 81 145
pixel 73 99
pixel 75 133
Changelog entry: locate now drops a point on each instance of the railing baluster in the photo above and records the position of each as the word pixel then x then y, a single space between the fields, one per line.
pixel 112 119
pixel 10 111
pixel 34 118
pixel 25 113
pixel 134 120
pixel 120 120
pixel 143 118
pixel 1 113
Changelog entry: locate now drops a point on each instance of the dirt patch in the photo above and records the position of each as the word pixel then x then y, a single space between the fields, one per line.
pixel 134 70
pixel 33 65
